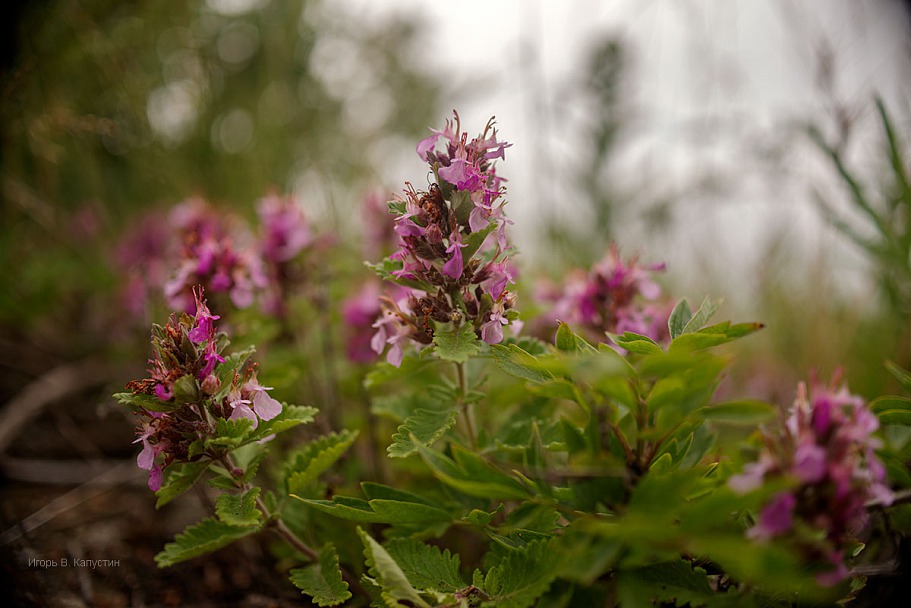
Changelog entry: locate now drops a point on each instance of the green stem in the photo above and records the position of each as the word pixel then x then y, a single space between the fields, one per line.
pixel 277 525
pixel 467 409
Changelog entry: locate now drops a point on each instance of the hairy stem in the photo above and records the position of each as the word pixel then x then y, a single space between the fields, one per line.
pixel 467 409
pixel 277 525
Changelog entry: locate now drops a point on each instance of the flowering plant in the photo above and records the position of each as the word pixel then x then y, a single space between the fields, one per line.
pixel 596 468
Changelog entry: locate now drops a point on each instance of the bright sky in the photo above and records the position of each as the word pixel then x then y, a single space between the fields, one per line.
pixel 715 91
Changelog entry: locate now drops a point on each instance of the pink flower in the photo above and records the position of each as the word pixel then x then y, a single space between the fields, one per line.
pixel 776 518
pixel 265 406
pixel 453 267
pixel 492 330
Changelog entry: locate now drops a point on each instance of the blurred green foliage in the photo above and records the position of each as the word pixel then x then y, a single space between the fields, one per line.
pixel 113 107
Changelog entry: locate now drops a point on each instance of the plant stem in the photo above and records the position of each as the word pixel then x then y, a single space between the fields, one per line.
pixel 277 525
pixel 467 410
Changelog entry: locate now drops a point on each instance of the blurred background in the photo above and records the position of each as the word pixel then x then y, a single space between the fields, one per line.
pixel 759 148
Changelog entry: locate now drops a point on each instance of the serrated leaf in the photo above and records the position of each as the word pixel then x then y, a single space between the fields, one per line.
pixel 142 401
pixel 521 577
pixel 239 509
pixel 457 344
pixel 230 433
pixel 517 362
pixel 387 573
pixel 426 567
pixel 745 411
pixel 423 427
pixel 180 478
pixel 635 343
pixel 323 580
pixel 290 417
pixel 471 474
pixel 200 539
pixel 308 463
pixel 679 317
pixel 227 369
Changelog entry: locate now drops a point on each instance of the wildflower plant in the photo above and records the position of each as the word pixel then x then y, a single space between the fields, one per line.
pixel 519 472
pixel 453 255
pixel 202 412
pixel 827 448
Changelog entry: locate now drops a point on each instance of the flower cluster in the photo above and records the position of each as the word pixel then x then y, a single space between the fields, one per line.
pixel 827 448
pixel 452 254
pixel 199 245
pixel 284 234
pixel 188 390
pixel 209 256
pixel 615 296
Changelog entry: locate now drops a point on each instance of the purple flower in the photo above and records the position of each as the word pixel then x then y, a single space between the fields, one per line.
pixel 615 296
pixel 810 463
pixel 827 447
pixel 426 145
pixel 492 330
pixel 285 230
pixel 446 288
pixel 240 408
pixel 163 393
pixel 265 406
pixel 776 518
pixel 205 329
pixel 453 268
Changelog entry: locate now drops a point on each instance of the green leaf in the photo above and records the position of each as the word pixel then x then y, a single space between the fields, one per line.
pixel 679 317
pixel 199 539
pixel 323 580
pixel 516 362
pixel 705 312
pixel 142 401
pixel 471 474
pixel 403 509
pixel 239 509
pixel 568 341
pixel 385 269
pixel 388 574
pixel 180 478
pixel 714 335
pixel 636 343
pixel 676 582
pixel 227 369
pixel 475 240
pixel 456 345
pixel 290 417
pixel 426 567
pixel 423 427
pixel 230 433
pixel 745 411
pixel 884 404
pixel 902 375
pixel 309 462
pixel 902 417
pixel 483 518
pixel 186 390
pixel 521 577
